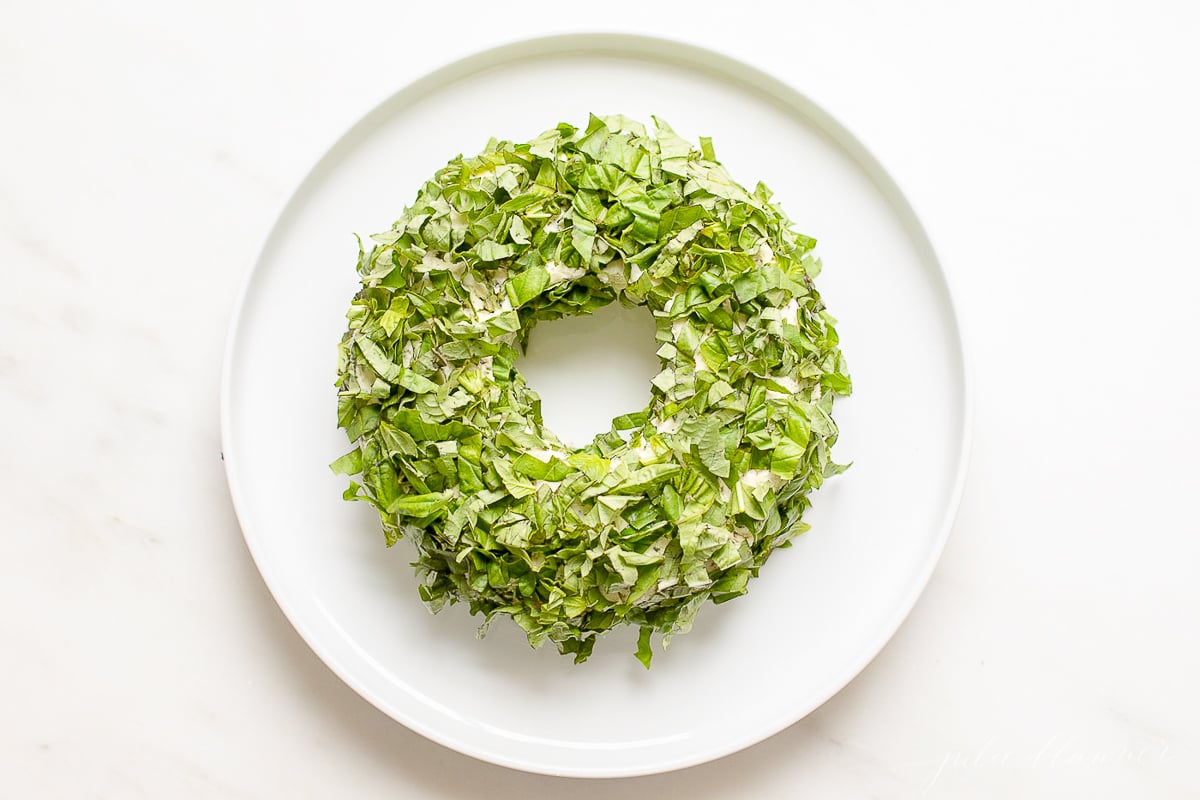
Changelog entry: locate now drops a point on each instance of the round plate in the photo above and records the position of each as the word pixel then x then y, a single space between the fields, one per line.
pixel 820 610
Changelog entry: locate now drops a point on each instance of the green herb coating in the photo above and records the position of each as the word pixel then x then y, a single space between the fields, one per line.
pixel 680 502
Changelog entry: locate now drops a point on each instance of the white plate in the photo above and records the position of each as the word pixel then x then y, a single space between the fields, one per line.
pixel 819 612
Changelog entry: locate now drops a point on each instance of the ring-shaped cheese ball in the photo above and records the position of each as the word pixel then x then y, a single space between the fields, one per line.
pixel 681 501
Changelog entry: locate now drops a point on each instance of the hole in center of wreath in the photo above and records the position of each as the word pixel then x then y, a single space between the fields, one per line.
pixel 591 368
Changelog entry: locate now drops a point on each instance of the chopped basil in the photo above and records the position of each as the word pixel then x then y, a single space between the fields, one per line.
pixel 680 502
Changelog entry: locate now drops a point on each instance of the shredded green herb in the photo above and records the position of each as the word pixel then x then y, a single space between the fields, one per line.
pixel 678 503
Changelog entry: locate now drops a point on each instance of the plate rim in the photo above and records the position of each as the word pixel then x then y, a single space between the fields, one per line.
pixel 663 49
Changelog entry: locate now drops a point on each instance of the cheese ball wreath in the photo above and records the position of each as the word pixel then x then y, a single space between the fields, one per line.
pixel 680 502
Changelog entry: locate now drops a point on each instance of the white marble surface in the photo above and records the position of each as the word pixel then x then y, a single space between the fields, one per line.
pixel 1051 148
